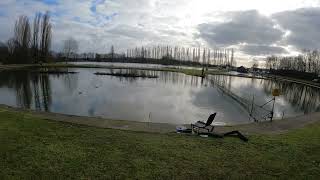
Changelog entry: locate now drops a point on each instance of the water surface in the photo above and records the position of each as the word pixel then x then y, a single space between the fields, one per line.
pixel 172 98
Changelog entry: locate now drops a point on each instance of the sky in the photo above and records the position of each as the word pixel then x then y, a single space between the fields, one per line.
pixel 254 28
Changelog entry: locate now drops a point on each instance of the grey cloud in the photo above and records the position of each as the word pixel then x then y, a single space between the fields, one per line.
pixel 131 32
pixel 6 29
pixel 171 32
pixel 244 27
pixel 304 25
pixel 260 50
pixel 150 22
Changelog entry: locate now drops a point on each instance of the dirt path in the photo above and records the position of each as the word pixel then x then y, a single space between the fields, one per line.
pixel 275 127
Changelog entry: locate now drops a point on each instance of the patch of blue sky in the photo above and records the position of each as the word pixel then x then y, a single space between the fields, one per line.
pixel 2 13
pixel 50 2
pixel 77 18
pixel 93 8
pixel 100 19
pixel 110 17
pixel 98 2
pixel 94 4
pixel 57 13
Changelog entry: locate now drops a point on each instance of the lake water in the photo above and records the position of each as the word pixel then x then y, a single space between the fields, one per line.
pixel 171 98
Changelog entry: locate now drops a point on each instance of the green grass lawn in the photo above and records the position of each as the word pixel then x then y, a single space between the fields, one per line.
pixel 38 148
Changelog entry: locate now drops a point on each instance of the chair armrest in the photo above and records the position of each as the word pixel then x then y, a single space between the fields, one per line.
pixel 200 122
pixel 199 125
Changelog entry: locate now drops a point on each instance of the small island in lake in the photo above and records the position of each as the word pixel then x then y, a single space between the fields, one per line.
pixel 132 75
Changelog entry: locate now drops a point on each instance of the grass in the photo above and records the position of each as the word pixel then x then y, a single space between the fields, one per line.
pixel 292 79
pixel 33 148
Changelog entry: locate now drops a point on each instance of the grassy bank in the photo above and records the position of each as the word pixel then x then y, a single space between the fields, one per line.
pixel 301 81
pixel 38 148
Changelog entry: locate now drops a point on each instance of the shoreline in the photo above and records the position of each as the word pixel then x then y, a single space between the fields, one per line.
pixel 275 127
pixel 36 146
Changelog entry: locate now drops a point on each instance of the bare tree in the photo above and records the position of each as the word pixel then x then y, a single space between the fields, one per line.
pixel 112 52
pixel 26 43
pixel 19 44
pixel 35 37
pixel 232 58
pixel 3 52
pixel 46 36
pixel 307 62
pixel 70 47
pixel 255 65
pixel 11 44
pixel 22 34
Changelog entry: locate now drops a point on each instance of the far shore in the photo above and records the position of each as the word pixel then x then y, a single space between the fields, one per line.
pixel 192 72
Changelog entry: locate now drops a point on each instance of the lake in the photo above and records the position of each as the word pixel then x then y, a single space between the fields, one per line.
pixel 173 98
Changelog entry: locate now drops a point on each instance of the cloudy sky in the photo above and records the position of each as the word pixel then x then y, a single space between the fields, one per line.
pixel 255 28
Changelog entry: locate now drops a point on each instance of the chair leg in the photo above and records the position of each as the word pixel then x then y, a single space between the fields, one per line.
pixel 192 128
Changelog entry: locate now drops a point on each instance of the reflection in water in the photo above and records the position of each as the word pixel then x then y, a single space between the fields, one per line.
pixel 171 98
pixel 295 98
pixel 304 98
pixel 163 77
pixel 33 90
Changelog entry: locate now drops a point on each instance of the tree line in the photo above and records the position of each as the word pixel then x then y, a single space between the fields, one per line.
pixel 307 62
pixel 31 42
pixel 222 57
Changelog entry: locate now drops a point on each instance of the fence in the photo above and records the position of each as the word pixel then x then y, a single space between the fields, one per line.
pixel 255 111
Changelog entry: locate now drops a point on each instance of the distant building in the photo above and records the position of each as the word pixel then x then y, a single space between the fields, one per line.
pixel 242 69
pixel 86 56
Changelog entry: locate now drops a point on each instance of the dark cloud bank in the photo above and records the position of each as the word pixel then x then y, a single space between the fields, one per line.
pixel 256 34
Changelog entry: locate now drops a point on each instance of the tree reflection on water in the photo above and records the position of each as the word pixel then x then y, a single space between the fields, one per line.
pixel 33 90
pixel 302 97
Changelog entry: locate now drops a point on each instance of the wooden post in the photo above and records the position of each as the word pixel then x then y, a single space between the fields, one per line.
pixel 251 111
pixel 272 111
